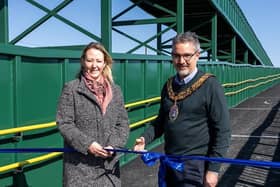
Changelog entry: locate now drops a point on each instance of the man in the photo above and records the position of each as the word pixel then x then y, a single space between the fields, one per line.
pixel 193 117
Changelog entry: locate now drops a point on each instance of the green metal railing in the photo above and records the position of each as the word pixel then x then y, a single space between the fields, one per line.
pixel 257 82
pixel 50 156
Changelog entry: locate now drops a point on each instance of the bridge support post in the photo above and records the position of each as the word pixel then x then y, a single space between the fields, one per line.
pixel 4 34
pixel 214 31
pixel 180 16
pixel 106 26
pixel 246 57
pixel 233 49
pixel 159 39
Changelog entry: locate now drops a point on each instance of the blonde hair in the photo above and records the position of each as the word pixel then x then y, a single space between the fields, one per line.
pixel 107 71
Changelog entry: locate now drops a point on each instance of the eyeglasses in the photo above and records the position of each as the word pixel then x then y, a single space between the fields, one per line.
pixel 186 56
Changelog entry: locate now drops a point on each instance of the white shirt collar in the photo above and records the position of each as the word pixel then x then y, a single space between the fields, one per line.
pixel 187 79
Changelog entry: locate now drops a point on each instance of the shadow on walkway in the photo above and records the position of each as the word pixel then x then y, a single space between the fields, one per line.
pixel 257 149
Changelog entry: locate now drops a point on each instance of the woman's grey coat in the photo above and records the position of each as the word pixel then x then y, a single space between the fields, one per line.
pixel 80 121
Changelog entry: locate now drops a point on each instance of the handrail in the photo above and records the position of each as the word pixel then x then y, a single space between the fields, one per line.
pixel 248 80
pixel 52 124
pixel 139 123
pixel 138 103
pixel 248 87
pixel 29 161
pixel 55 154
pixel 27 128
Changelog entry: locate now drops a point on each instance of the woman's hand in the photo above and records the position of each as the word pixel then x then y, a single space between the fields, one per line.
pixel 110 153
pixel 97 150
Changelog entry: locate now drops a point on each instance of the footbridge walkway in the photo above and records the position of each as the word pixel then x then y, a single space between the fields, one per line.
pixel 255 136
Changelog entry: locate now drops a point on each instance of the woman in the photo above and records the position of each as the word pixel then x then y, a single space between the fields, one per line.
pixel 91 117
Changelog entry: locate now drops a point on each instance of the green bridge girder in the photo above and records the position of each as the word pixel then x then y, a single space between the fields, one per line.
pixel 224 32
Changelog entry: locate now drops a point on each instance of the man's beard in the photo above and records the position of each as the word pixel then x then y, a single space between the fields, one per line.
pixel 183 73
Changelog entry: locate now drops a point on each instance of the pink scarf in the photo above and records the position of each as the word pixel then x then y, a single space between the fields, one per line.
pixel 101 90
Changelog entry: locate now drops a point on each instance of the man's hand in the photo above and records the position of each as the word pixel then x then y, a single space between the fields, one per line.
pixel 139 144
pixel 211 179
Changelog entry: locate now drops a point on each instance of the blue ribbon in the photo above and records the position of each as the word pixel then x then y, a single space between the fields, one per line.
pixel 150 158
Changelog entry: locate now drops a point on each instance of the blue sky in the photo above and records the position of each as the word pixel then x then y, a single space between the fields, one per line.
pixel 262 15
pixel 85 13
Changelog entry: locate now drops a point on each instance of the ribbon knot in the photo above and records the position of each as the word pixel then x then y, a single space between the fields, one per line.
pixel 150 159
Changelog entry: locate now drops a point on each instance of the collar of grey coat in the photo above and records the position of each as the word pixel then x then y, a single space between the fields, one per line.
pixel 82 89
pixel 85 91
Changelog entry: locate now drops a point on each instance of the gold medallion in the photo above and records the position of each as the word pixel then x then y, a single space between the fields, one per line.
pixel 173 112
